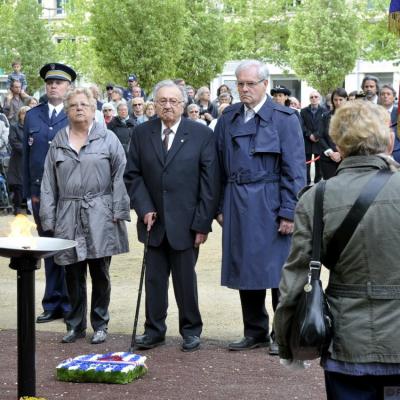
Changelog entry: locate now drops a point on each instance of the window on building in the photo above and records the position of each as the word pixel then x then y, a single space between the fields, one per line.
pixel 60 4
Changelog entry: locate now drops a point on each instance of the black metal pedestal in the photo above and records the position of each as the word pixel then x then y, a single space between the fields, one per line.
pixel 25 267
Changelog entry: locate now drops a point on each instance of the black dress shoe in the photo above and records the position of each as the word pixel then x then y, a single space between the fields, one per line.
pixel 273 349
pixel 190 343
pixel 149 342
pixel 248 343
pixel 99 336
pixel 72 335
pixel 48 316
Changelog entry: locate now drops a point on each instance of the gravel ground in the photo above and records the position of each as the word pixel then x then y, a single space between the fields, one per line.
pixel 211 373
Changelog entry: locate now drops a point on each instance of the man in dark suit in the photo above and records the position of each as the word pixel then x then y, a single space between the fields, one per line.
pixel 172 178
pixel 41 124
pixel 311 118
pixel 387 97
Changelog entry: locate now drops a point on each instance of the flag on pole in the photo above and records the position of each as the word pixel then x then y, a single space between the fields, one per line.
pixel 394 16
pixel 394 26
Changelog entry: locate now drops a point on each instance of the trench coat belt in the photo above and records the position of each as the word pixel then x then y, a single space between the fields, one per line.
pixel 244 177
pixel 85 202
pixel 86 198
pixel 368 290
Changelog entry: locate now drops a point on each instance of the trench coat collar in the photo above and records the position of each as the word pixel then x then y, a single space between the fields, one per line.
pixel 377 161
pixel 181 136
pixel 96 132
pixel 264 115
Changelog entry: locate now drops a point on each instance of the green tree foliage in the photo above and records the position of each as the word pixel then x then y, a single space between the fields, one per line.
pixel 323 43
pixel 158 40
pixel 25 36
pixel 76 41
pixel 204 51
pixel 376 42
pixel 142 37
pixel 259 29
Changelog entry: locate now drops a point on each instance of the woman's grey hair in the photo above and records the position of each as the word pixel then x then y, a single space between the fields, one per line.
pixel 361 128
pixel 108 105
pixel 224 95
pixel 80 90
pixel 117 90
pixel 262 69
pixel 169 83
pixel 193 106
pixel 120 104
pixel 200 91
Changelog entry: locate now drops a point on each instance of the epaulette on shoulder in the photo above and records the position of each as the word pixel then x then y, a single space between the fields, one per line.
pixel 304 190
pixel 280 107
pixel 232 108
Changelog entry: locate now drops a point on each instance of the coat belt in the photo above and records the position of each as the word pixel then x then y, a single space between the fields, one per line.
pixel 86 198
pixel 368 290
pixel 242 178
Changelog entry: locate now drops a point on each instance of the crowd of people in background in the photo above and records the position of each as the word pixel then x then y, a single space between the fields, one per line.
pixel 122 109
pixel 181 159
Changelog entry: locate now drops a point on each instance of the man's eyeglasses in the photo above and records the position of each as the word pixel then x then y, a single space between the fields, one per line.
pixel 250 85
pixel 137 105
pixel 172 102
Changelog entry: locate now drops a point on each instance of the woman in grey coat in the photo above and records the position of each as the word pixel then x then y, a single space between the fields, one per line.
pixel 84 199
pixel 364 285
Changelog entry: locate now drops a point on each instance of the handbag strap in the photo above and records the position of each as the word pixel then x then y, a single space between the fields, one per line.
pixel 318 225
pixel 318 222
pixel 346 229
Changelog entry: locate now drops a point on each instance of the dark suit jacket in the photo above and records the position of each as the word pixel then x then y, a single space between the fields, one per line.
pixel 182 187
pixel 325 140
pixel 310 126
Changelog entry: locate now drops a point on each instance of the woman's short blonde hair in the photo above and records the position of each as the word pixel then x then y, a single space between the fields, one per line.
pixel 360 128
pixel 80 90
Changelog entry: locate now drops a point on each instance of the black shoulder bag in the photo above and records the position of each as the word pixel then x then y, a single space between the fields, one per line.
pixel 312 325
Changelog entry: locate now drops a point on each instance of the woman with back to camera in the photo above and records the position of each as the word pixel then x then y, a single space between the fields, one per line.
pixel 364 284
pixel 330 156
pixel 83 198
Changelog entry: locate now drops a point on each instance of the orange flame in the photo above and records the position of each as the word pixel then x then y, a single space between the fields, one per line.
pixel 21 230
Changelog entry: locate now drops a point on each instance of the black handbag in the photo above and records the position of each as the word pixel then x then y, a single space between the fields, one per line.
pixel 312 325
pixel 311 329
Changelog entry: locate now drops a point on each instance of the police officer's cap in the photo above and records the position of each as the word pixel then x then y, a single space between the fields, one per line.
pixel 57 71
pixel 280 89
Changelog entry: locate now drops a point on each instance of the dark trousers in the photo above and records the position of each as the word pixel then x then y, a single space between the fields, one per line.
pixel 55 295
pixel 255 315
pixel 328 168
pixel 367 387
pixel 16 191
pixel 318 174
pixel 75 275
pixel 160 263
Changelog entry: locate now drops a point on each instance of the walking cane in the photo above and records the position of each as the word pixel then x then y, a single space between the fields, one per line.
pixel 135 323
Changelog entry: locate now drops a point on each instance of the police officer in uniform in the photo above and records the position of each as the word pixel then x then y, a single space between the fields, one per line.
pixel 281 95
pixel 41 125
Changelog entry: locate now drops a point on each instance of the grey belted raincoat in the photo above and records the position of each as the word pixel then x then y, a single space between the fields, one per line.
pixel 83 196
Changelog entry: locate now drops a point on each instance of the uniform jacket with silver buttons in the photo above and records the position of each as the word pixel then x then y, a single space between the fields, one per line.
pixel 38 134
